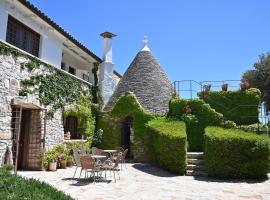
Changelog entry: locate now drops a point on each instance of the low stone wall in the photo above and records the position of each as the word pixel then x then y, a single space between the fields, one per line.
pixel 11 73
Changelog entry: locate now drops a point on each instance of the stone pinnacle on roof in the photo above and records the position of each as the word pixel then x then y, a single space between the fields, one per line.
pixel 147 80
pixel 145 42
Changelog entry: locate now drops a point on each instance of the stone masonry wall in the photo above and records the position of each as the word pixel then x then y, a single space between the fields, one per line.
pixel 11 74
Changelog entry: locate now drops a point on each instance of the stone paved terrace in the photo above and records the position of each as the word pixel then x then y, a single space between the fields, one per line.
pixel 141 181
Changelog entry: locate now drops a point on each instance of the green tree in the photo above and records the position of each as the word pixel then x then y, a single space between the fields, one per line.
pixel 259 77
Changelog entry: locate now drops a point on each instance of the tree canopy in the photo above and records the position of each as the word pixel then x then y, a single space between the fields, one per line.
pixel 259 77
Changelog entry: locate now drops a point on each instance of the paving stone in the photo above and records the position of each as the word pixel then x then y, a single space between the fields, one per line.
pixel 149 182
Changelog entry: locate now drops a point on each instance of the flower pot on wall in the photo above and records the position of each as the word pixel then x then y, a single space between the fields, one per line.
pixel 67 135
pixel 52 166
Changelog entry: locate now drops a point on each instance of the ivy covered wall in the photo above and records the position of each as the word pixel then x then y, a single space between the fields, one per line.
pixel 83 111
pixel 28 80
pixel 112 125
pixel 238 106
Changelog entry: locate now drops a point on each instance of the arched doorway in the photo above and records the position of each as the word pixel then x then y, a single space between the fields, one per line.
pixel 126 133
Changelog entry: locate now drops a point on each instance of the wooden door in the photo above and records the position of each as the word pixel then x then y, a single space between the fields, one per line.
pixel 24 139
pixel 35 145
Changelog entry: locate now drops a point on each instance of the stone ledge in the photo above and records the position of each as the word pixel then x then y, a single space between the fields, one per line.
pixel 76 140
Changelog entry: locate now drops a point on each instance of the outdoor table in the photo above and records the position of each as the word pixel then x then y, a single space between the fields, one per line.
pixel 98 156
pixel 111 152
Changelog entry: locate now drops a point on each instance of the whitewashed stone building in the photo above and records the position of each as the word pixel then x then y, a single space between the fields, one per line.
pixel 25 28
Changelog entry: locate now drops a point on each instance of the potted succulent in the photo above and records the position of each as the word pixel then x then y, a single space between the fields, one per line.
pixel 224 87
pixel 69 161
pixel 62 158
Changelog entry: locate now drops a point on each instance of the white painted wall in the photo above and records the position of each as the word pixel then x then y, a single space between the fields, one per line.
pixel 50 45
pixel 3 22
pixel 51 51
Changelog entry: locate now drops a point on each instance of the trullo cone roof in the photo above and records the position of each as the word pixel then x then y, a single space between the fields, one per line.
pixel 148 81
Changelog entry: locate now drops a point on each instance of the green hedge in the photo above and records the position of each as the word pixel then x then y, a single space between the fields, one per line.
pixel 232 153
pixel 238 106
pixel 168 144
pixel 16 187
pixel 112 123
pixel 197 115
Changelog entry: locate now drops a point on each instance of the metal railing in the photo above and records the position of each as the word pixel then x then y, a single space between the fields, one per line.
pixel 189 89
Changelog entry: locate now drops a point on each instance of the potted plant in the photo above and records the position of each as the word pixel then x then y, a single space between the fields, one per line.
pixel 244 85
pixel 207 87
pixel 69 161
pixel 52 161
pixel 62 160
pixel 224 87
pixel 67 135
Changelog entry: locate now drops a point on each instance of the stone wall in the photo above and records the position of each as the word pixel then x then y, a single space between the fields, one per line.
pixel 11 73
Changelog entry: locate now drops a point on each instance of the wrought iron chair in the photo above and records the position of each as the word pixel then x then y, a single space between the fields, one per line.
pixel 76 157
pixel 89 165
pixel 123 158
pixel 112 167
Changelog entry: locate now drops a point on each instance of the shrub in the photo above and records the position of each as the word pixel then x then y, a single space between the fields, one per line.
pixel 16 187
pixel 238 106
pixel 256 128
pixel 112 124
pixel 232 153
pixel 168 144
pixel 197 115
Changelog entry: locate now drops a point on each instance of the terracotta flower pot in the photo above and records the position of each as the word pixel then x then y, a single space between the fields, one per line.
pixel 69 163
pixel 63 164
pixel 52 166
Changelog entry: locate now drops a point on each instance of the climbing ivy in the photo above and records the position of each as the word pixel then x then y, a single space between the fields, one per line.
pixel 95 88
pixel 86 119
pixel 55 89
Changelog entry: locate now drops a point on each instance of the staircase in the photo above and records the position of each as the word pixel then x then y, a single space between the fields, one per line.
pixel 195 164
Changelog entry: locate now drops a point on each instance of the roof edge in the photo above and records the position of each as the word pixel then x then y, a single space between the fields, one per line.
pixel 48 20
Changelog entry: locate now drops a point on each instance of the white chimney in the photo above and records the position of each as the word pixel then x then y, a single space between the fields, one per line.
pixel 106 73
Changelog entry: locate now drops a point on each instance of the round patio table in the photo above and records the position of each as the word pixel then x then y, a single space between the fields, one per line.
pixel 98 156
pixel 111 152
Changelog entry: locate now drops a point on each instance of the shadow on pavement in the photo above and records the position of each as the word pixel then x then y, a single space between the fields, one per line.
pixel 149 169
pixel 220 180
pixel 86 181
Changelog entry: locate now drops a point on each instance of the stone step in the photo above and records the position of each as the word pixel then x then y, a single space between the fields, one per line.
pixel 195 167
pixel 193 155
pixel 195 161
pixel 195 173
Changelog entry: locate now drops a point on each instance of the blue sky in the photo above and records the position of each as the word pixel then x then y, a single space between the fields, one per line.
pixel 192 39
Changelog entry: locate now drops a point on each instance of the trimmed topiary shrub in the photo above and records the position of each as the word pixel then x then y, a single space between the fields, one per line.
pixel 232 153
pixel 197 115
pixel 112 124
pixel 168 144
pixel 16 187
pixel 238 106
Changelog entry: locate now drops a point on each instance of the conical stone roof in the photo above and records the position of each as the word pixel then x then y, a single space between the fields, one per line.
pixel 148 81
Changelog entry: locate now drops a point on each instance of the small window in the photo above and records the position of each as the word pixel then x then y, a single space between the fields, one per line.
pixel 71 70
pixel 63 66
pixel 86 77
pixel 22 36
